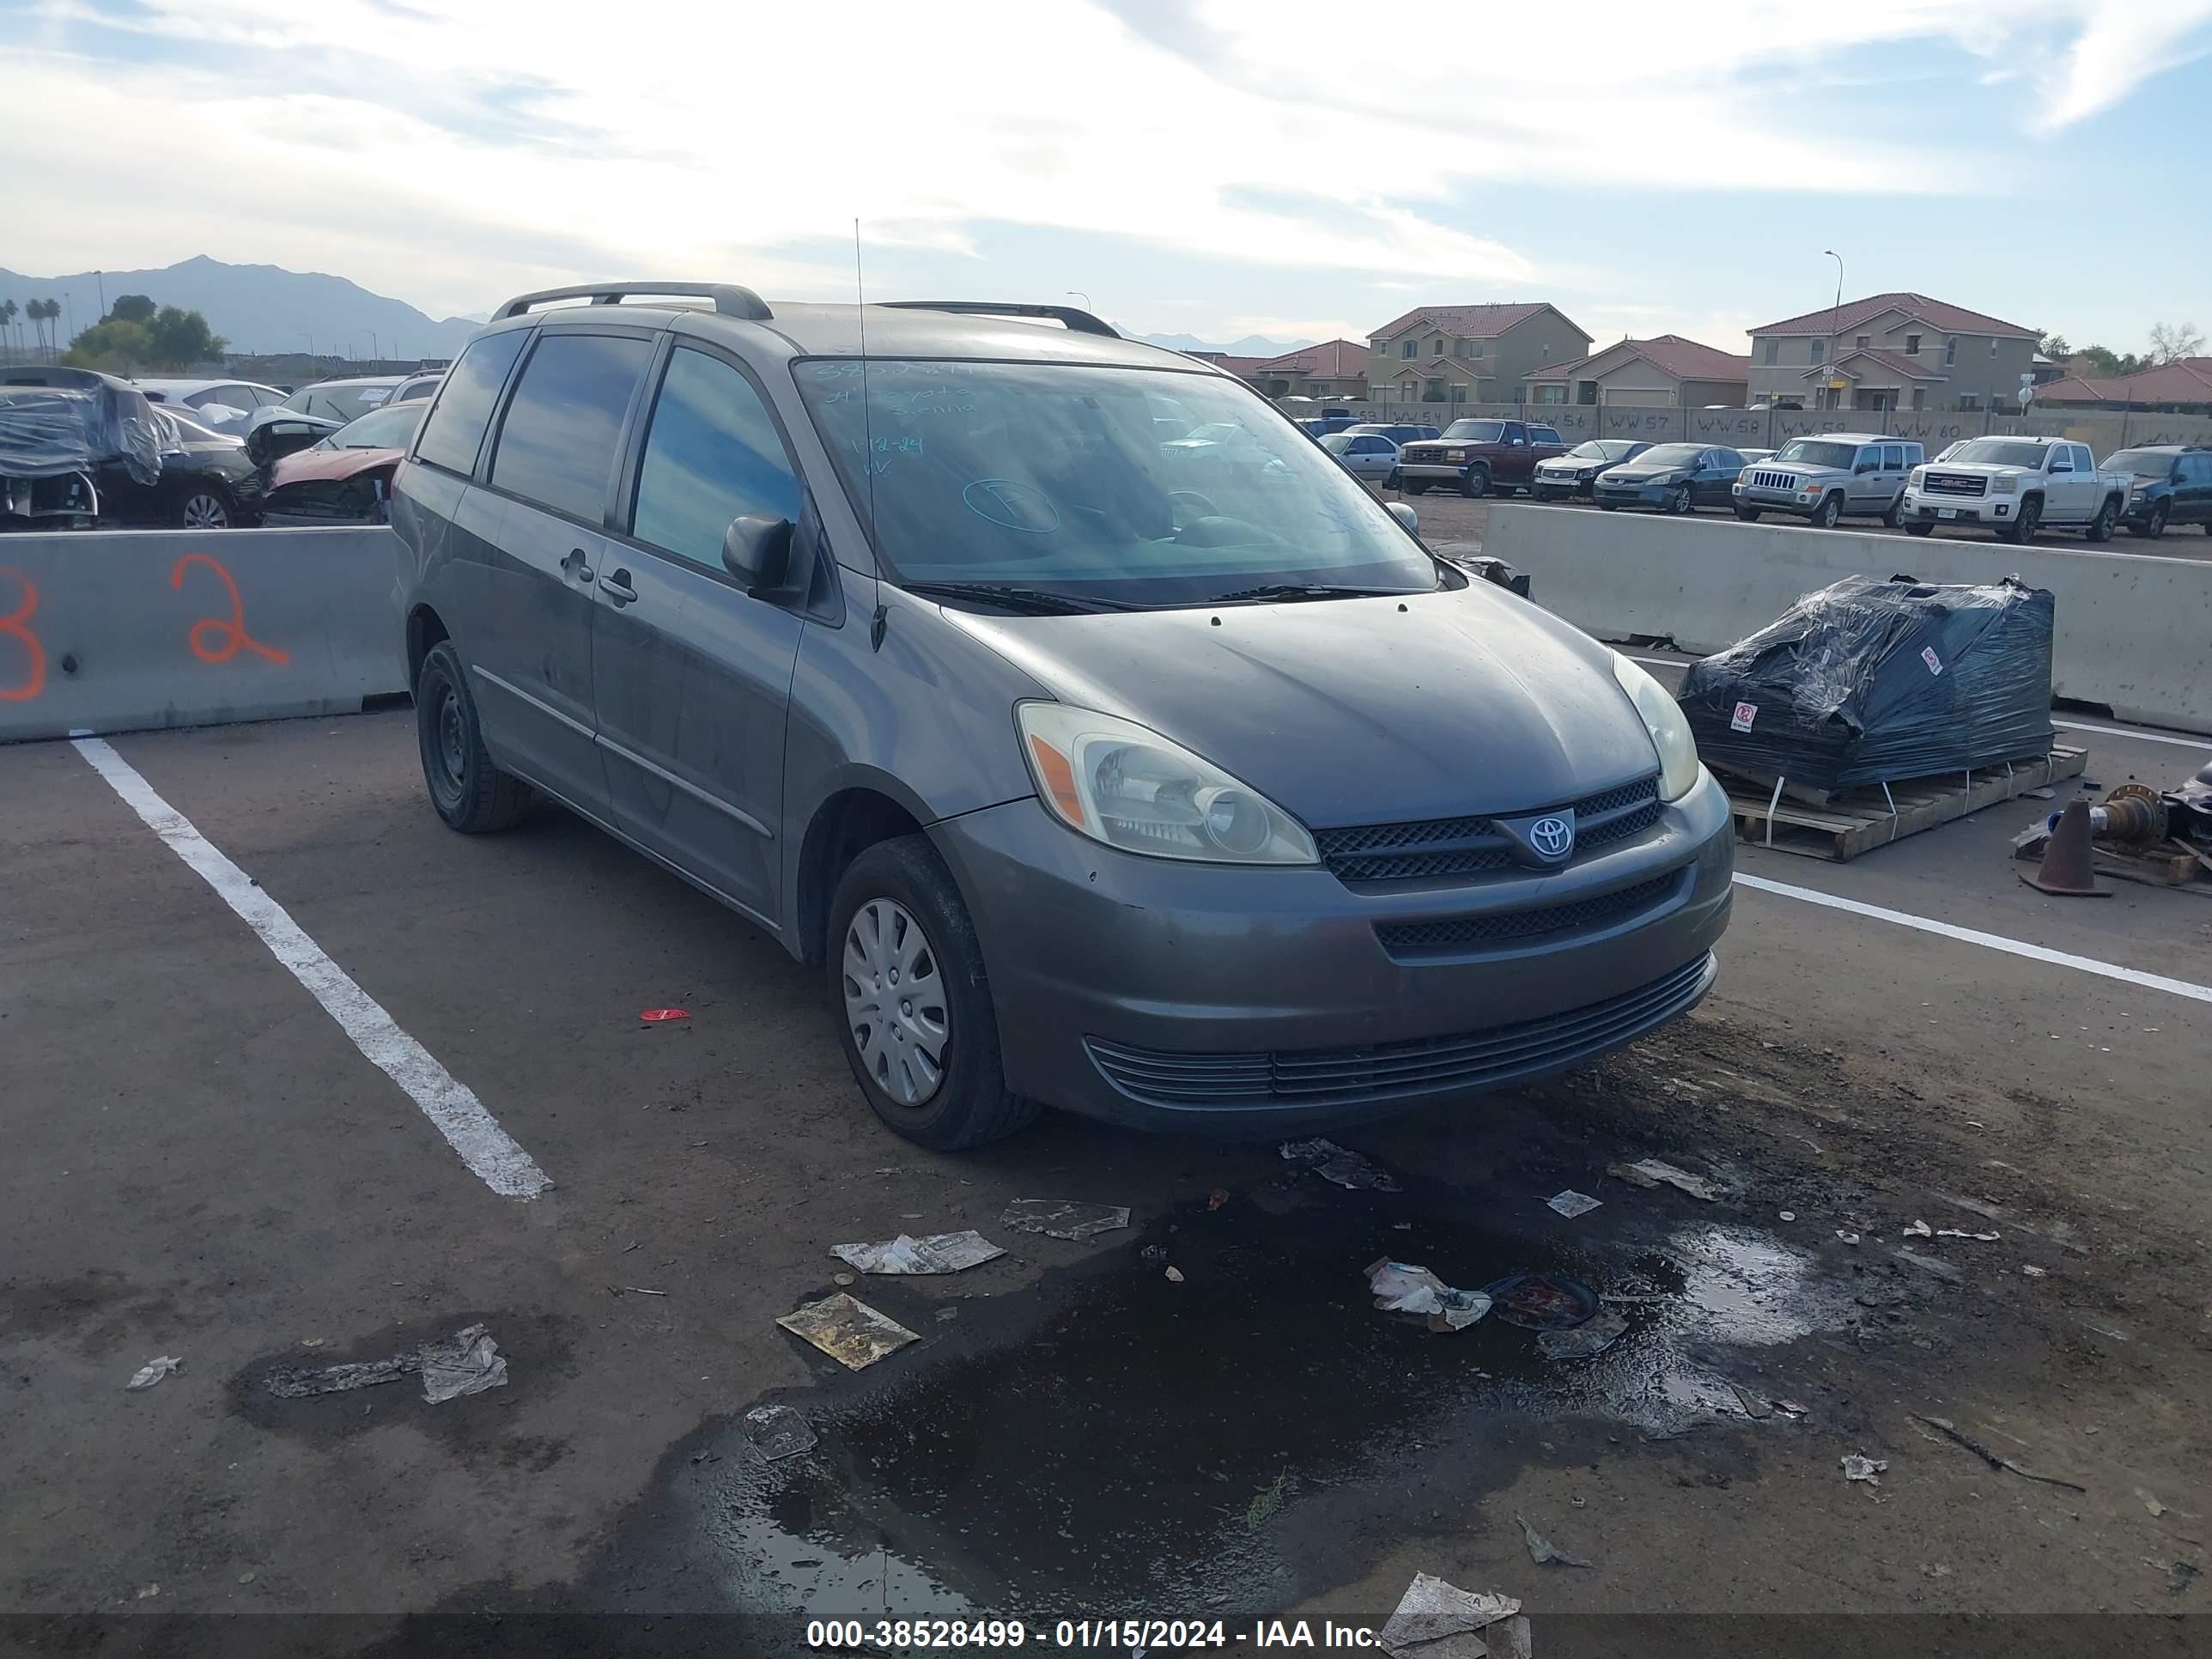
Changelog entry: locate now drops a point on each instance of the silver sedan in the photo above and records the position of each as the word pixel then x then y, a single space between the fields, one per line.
pixel 1364 454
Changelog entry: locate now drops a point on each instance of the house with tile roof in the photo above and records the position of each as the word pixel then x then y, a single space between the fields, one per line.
pixel 1333 369
pixel 1666 371
pixel 1891 351
pixel 1474 354
pixel 2183 387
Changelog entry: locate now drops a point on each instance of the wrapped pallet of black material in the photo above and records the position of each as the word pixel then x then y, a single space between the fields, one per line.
pixel 1868 682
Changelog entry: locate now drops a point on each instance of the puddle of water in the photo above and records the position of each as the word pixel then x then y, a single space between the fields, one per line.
pixel 1138 1446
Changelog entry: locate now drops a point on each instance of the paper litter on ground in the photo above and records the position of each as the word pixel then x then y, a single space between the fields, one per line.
pixel 1571 1203
pixel 848 1329
pixel 468 1362
pixel 1339 1164
pixel 153 1371
pixel 777 1431
pixel 1438 1620
pixel 936 1252
pixel 1869 1469
pixel 1401 1288
pixel 1584 1342
pixel 1542 1550
pixel 1652 1172
pixel 1060 1218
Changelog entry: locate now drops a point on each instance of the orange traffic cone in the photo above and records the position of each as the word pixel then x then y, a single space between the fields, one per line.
pixel 2068 866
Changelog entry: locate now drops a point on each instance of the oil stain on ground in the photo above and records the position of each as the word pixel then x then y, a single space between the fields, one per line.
pixel 1113 1438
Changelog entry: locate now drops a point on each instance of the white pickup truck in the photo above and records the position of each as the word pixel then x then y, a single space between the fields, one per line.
pixel 2017 486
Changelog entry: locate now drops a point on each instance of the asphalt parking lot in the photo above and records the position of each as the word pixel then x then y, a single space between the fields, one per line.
pixel 205 1163
pixel 1455 520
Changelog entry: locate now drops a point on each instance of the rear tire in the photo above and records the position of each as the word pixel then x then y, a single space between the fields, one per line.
pixel 206 508
pixel 470 794
pixel 1829 511
pixel 898 912
pixel 1476 483
pixel 2100 527
pixel 1890 515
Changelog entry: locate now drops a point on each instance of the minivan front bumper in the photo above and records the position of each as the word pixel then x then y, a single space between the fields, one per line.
pixel 1229 999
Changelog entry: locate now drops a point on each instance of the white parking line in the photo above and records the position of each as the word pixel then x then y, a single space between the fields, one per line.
pixel 2070 726
pixel 471 1131
pixel 2011 947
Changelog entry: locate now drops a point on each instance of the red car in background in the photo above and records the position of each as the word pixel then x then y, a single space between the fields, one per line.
pixel 346 478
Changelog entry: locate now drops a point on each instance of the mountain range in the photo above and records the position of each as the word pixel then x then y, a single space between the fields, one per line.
pixel 260 308
pixel 266 309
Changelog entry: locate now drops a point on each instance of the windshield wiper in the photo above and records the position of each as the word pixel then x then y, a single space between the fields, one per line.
pixel 1033 600
pixel 1311 591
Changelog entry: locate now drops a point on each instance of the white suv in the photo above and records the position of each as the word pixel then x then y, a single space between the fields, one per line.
pixel 2017 486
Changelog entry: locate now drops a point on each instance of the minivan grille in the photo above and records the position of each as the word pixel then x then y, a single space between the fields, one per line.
pixel 1385 1071
pixel 1459 932
pixel 1767 480
pixel 1955 484
pixel 1455 846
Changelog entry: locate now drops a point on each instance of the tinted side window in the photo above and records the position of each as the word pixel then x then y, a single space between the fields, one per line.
pixel 1893 457
pixel 712 454
pixel 455 426
pixel 556 445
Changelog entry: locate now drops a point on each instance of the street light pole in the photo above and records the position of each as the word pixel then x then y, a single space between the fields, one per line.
pixel 100 277
pixel 1837 315
pixel 1077 293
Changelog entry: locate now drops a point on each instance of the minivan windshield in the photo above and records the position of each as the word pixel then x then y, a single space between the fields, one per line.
pixel 1815 452
pixel 1478 431
pixel 1068 480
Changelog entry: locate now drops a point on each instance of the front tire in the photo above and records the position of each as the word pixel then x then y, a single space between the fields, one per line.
pixel 204 508
pixel 2154 526
pixel 912 1002
pixel 1748 514
pixel 1416 486
pixel 1825 515
pixel 1679 501
pixel 2023 528
pixel 1917 528
pixel 1476 483
pixel 469 792
pixel 2100 527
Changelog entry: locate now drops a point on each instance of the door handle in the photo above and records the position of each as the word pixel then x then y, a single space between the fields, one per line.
pixel 616 587
pixel 574 566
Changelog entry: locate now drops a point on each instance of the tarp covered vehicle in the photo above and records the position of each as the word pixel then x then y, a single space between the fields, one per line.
pixel 66 433
pixel 1868 682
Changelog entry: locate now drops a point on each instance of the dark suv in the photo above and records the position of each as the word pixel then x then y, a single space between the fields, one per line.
pixel 2173 485
pixel 1166 779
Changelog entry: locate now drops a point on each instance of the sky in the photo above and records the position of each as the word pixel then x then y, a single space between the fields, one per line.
pixel 1215 167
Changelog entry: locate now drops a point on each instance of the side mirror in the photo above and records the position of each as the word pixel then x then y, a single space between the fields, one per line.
pixel 758 552
pixel 1406 516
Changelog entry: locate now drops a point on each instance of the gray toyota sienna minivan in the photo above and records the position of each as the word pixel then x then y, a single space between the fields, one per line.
pixel 1105 745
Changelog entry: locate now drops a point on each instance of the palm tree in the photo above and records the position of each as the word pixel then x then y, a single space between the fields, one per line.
pixel 8 310
pixel 47 312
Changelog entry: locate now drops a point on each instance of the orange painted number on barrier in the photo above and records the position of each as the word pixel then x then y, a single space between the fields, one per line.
pixel 16 625
pixel 230 635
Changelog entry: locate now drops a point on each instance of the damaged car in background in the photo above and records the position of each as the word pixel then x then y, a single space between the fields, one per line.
pixel 345 477
pixel 81 450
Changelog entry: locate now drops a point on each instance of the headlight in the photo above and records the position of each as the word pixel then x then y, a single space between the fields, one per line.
pixel 2007 485
pixel 1125 785
pixel 1918 475
pixel 1586 475
pixel 1669 728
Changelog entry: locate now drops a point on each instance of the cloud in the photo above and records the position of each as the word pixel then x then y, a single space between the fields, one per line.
pixel 2119 47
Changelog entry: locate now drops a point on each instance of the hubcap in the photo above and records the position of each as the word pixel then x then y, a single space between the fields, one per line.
pixel 205 512
pixel 895 1001
pixel 452 738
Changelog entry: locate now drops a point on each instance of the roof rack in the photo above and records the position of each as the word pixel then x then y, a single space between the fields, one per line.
pixel 730 300
pixel 1076 319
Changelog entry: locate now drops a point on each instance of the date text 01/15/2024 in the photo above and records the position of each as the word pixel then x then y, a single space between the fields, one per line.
pixel 1097 1634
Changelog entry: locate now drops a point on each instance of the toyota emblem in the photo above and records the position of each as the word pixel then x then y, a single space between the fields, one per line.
pixel 1554 838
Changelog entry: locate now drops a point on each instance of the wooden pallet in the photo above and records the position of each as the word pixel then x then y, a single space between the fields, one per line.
pixel 1849 825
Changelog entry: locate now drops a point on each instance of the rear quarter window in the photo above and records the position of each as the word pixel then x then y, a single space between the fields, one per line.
pixel 454 430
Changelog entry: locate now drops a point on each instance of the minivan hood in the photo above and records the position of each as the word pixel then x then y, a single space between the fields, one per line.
pixel 1343 711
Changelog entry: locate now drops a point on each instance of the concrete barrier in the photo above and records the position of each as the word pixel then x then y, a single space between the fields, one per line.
pixel 2133 633
pixel 124 631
